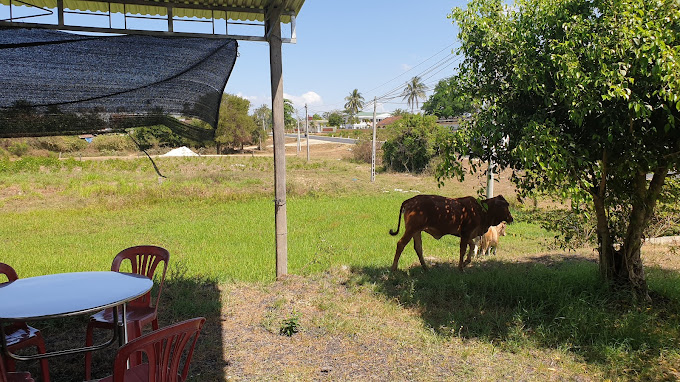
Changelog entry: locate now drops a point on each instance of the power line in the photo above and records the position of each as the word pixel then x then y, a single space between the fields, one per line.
pixel 431 71
pixel 422 62
pixel 396 92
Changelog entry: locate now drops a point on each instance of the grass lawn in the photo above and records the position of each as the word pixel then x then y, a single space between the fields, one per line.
pixel 528 313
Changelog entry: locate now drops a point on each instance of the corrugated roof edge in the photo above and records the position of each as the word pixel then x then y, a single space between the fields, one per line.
pixel 238 10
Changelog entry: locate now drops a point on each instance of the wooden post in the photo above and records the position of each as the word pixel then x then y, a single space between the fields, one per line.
pixel 273 32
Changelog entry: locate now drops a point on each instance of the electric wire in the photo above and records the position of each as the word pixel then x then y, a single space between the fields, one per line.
pixel 397 91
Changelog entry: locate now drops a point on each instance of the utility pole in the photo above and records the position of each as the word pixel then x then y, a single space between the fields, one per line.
pixel 375 101
pixel 307 130
pixel 264 131
pixel 298 132
pixel 489 180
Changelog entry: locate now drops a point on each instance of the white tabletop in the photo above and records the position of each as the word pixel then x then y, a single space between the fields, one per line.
pixel 68 294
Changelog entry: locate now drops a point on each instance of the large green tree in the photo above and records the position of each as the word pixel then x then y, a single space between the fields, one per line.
pixel 449 99
pixel 413 91
pixel 334 118
pixel 582 98
pixel 412 142
pixel 235 127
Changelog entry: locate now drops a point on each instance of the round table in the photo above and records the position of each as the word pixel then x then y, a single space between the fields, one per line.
pixel 68 294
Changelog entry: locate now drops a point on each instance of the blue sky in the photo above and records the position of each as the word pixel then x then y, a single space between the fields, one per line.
pixel 374 46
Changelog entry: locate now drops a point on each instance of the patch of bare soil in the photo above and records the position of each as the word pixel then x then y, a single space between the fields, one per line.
pixel 347 332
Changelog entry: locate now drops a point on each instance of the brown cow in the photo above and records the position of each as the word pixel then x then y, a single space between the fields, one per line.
pixel 438 215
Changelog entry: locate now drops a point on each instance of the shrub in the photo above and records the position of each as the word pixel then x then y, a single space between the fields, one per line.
pixel 60 144
pixel 413 142
pixel 113 143
pixel 363 151
pixel 18 148
pixel 157 136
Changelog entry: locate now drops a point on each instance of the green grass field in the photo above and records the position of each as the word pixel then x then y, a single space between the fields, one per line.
pixel 533 313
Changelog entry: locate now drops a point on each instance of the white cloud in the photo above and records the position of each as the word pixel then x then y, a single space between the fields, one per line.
pixel 253 99
pixel 406 67
pixel 310 98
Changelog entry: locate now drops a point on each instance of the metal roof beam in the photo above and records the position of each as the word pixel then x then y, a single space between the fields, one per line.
pixel 60 24
pixel 76 28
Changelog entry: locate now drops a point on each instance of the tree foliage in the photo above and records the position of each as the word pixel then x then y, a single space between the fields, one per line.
pixel 415 141
pixel 355 102
pixel 263 117
pixel 587 95
pixel 157 136
pixel 413 91
pixel 288 111
pixel 449 99
pixel 335 119
pixel 235 128
pixel 400 112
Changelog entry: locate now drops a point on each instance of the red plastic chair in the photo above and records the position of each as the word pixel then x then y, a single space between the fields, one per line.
pixel 13 376
pixel 144 260
pixel 168 351
pixel 19 335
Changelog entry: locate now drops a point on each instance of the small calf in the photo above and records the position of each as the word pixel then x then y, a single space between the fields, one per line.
pixel 489 241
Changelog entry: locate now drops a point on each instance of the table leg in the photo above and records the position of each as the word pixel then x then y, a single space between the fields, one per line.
pixel 123 339
pixel 124 333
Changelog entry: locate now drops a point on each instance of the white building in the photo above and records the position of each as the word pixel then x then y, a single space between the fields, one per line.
pixel 316 126
pixel 366 120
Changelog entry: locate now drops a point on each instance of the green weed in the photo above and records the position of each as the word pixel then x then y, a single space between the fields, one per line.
pixel 290 325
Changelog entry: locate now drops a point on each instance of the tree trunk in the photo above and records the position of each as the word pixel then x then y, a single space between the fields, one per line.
pixel 610 259
pixel 644 202
pixel 623 266
pixel 610 262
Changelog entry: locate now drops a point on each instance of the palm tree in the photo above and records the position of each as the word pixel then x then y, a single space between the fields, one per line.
pixel 414 89
pixel 355 102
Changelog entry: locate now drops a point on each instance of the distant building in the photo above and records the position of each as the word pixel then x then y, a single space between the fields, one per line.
pixel 453 123
pixel 316 126
pixel 388 121
pixel 366 120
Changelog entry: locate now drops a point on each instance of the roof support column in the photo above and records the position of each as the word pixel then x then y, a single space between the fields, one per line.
pixel 273 34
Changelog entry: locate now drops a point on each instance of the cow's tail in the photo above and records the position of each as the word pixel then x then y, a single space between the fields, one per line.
pixel 392 232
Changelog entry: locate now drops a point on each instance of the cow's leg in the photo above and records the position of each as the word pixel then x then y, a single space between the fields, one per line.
pixel 463 245
pixel 418 246
pixel 471 245
pixel 401 244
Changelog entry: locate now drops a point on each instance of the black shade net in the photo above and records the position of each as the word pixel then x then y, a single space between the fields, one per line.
pixel 58 83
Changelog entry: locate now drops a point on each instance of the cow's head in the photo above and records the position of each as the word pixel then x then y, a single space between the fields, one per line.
pixel 498 210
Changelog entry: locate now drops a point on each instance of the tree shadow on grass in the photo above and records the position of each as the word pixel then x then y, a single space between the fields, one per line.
pixel 553 302
pixel 182 298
